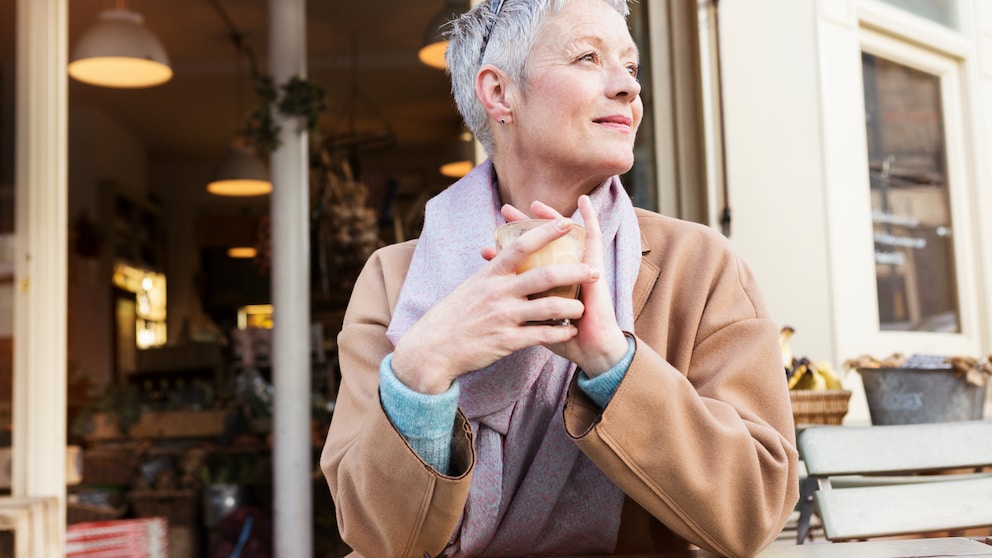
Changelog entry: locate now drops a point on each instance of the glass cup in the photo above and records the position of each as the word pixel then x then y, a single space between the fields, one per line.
pixel 565 250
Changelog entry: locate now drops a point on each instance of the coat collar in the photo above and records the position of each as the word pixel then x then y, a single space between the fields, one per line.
pixel 647 276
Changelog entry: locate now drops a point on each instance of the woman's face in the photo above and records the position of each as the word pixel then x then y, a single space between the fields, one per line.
pixel 581 106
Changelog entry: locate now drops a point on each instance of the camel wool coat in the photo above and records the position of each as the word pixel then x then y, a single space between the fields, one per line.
pixel 699 435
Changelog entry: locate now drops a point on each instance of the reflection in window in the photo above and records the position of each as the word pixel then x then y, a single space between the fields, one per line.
pixel 944 12
pixel 149 303
pixel 640 181
pixel 914 244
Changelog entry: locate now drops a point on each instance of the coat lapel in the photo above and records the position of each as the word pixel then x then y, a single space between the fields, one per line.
pixel 647 276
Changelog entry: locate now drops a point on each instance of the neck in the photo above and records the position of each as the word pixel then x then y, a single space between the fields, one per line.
pixel 521 183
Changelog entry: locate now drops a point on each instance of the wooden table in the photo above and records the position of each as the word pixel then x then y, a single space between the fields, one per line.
pixel 949 546
pixel 908 548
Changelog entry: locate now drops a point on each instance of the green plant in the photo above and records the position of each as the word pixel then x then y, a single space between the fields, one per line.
pixel 121 404
pixel 296 98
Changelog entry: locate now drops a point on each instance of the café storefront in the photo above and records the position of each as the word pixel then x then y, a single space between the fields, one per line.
pixel 839 143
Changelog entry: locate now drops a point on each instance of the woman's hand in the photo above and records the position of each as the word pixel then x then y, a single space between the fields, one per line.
pixel 600 343
pixel 484 319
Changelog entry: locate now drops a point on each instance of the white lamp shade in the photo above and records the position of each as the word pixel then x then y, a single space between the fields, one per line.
pixel 119 51
pixel 241 174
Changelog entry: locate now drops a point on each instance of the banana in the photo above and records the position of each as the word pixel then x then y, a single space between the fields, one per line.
pixel 802 373
pixel 783 342
pixel 826 371
pixel 814 376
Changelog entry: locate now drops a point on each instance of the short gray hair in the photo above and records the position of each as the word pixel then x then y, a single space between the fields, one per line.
pixel 512 35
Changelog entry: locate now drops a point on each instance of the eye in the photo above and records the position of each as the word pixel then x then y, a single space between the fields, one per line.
pixel 589 57
pixel 634 70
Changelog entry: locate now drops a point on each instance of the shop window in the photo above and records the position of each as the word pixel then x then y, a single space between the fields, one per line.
pixel 944 12
pixel 911 212
pixel 640 181
pixel 146 310
pixel 255 315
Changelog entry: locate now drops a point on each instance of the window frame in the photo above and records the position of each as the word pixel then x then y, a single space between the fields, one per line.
pixel 951 71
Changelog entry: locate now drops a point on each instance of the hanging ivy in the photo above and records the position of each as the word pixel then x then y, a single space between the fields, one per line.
pixel 297 98
pixel 303 99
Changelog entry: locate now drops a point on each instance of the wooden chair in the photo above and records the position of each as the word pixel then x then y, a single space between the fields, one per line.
pixel 880 481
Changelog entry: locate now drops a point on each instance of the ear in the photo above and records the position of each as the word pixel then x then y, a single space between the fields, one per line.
pixel 494 91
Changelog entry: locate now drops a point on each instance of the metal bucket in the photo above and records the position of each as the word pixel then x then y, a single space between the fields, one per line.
pixel 912 396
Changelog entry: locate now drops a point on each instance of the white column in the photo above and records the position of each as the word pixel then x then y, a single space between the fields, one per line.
pixel 291 452
pixel 40 313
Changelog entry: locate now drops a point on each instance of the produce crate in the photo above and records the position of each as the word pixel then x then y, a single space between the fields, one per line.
pixel 180 424
pixel 85 513
pixel 116 466
pixel 819 406
pixel 180 507
pixel 101 427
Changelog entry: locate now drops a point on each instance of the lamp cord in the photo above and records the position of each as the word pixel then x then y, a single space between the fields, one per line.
pixel 245 50
pixel 238 38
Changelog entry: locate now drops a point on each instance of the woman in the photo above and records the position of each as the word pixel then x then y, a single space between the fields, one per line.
pixel 656 418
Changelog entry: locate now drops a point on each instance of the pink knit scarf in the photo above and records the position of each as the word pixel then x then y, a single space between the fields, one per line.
pixel 533 492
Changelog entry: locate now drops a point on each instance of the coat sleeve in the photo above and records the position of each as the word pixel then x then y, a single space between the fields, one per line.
pixel 388 502
pixel 700 431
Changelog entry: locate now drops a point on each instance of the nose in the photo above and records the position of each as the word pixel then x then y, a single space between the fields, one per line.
pixel 623 85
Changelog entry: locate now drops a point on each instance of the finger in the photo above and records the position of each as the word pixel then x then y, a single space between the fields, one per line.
pixel 551 308
pixel 594 235
pixel 544 211
pixel 546 277
pixel 511 213
pixel 512 256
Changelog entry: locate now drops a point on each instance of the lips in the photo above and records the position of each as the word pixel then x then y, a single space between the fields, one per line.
pixel 617 120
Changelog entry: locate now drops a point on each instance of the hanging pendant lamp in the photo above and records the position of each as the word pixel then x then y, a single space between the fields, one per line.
pixel 240 173
pixel 242 252
pixel 459 158
pixel 119 51
pixel 435 44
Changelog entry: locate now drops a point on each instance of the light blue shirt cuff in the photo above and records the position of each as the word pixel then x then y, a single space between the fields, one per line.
pixel 426 421
pixel 601 388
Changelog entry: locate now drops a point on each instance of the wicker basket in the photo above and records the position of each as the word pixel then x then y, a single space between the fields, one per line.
pixel 819 406
pixel 180 507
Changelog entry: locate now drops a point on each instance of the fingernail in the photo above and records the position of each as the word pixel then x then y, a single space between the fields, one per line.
pixel 596 272
pixel 563 224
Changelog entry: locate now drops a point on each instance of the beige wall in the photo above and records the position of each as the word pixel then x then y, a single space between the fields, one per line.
pixel 797 168
pixel 775 161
